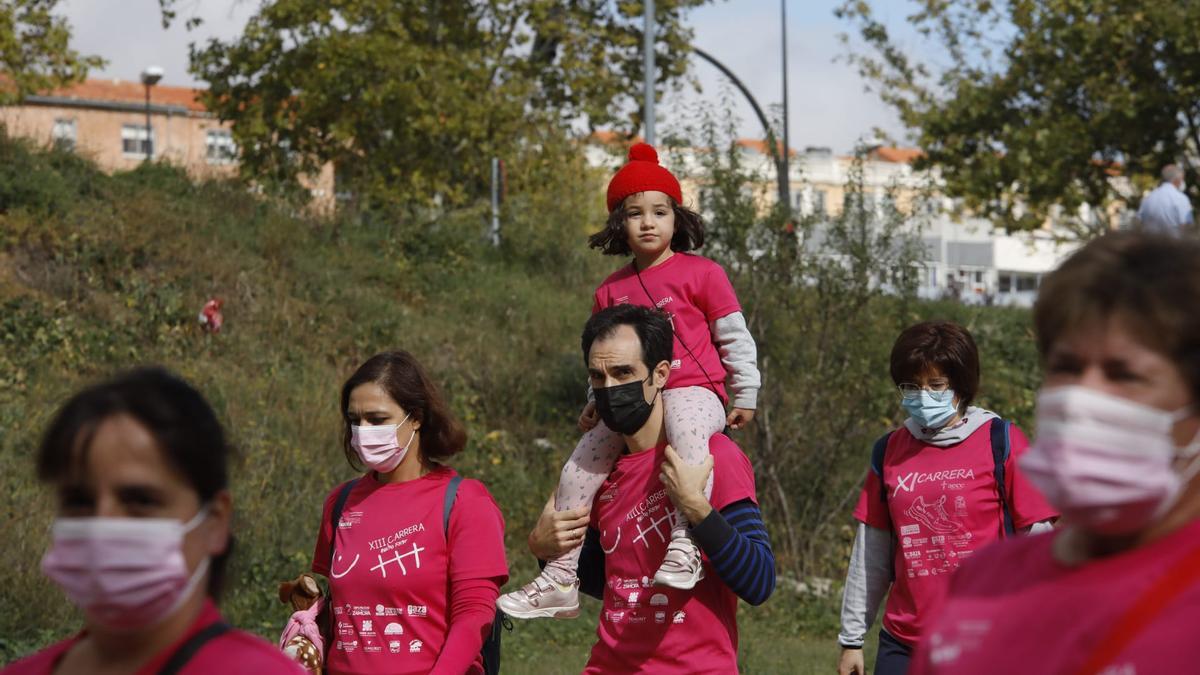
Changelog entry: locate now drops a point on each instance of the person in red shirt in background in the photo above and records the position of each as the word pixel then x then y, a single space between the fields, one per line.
pixel 410 592
pixel 143 534
pixel 1116 589
pixel 647 627
pixel 941 487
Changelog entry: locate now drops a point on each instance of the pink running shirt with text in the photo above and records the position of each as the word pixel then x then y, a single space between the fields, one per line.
pixel 1016 609
pixel 645 628
pixel 695 291
pixel 942 506
pixel 391 572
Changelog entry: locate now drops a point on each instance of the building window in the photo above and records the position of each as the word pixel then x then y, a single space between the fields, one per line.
pixel 135 140
pixel 219 146
pixel 1027 282
pixel 64 134
pixel 819 202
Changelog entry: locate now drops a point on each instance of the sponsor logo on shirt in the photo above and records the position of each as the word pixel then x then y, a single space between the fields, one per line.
pixel 360 611
pixel 664 302
pixel 393 629
pixel 415 647
pixel 679 617
pixel 368 628
pixel 349 519
pixel 658 600
pixel 380 610
pixel 676 364
pixel 910 529
pixel 912 479
pixel 418 610
pixel 344 628
pixel 624 299
pixel 372 648
pixel 394 646
pixel 614 617
pixel 609 494
pixel 660 617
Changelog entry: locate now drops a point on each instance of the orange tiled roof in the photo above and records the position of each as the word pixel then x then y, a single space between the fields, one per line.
pixel 896 155
pixel 125 91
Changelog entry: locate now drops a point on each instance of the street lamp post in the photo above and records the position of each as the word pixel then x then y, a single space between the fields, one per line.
pixel 649 70
pixel 780 167
pixel 150 77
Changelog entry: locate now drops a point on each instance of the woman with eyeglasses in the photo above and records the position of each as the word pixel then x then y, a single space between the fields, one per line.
pixel 939 488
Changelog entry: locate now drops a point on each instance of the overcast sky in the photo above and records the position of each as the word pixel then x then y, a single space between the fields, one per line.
pixel 828 104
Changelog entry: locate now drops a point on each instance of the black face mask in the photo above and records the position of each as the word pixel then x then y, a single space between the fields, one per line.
pixel 623 407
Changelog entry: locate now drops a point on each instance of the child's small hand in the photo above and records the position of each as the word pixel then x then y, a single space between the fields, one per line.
pixel 589 418
pixel 739 418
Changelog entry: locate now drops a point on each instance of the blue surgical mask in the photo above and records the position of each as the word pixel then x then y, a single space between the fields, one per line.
pixel 931 409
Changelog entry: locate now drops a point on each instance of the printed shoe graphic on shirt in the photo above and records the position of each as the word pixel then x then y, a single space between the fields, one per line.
pixel 934 516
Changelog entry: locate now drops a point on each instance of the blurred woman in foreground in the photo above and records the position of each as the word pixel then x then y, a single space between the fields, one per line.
pixel 142 534
pixel 1117 589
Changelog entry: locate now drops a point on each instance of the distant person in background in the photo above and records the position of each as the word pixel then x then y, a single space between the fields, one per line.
pixel 138 465
pixel 1116 589
pixel 1167 209
pixel 941 487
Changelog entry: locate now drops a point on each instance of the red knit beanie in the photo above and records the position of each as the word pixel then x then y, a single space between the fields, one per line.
pixel 641 174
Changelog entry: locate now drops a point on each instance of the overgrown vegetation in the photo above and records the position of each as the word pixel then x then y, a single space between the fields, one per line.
pixel 101 272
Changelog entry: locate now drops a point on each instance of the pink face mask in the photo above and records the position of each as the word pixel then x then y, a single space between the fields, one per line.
pixel 124 573
pixel 1105 462
pixel 377 446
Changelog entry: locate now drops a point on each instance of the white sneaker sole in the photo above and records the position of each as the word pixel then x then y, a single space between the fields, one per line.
pixel 540 613
pixel 687 584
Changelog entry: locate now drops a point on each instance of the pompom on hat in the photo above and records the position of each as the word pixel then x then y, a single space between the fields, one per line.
pixel 640 174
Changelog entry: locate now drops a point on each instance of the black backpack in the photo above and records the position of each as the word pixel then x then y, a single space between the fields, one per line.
pixel 1001 446
pixel 491 646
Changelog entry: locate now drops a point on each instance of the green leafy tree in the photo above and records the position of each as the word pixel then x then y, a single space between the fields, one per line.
pixel 35 51
pixel 410 99
pixel 1036 105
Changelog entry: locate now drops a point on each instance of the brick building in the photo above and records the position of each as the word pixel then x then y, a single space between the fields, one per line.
pixel 105 120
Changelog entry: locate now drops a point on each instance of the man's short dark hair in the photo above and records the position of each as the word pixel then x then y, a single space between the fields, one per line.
pixel 653 328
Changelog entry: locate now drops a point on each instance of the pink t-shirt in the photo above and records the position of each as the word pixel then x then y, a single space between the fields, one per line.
pixel 232 653
pixel 391 573
pixel 942 506
pixel 695 291
pixel 645 628
pixel 1016 609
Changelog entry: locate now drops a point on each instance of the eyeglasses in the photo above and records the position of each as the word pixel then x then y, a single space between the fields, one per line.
pixel 937 390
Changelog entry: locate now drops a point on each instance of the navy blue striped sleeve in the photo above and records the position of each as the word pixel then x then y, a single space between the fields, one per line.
pixel 736 542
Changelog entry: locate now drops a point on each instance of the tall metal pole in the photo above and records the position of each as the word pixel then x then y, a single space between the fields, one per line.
pixel 496 201
pixel 149 136
pixel 648 66
pixel 787 181
pixel 772 148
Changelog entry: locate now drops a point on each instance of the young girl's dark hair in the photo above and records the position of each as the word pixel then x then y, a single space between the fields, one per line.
pixel 405 381
pixel 613 240
pixel 176 415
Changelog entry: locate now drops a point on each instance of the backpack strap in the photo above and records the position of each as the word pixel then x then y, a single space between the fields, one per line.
pixel 188 649
pixel 877 453
pixel 448 503
pixel 335 516
pixel 1001 447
